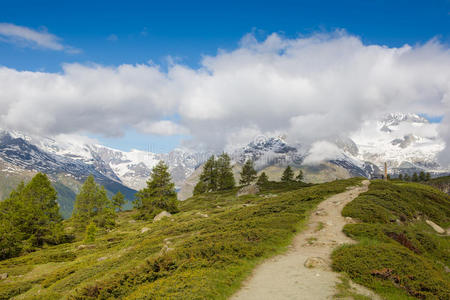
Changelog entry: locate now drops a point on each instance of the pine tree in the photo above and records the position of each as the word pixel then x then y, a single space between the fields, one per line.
pixel 299 177
pixel 288 175
pixel 422 176
pixel 208 178
pixel 427 176
pixel 400 176
pixel 225 177
pixel 159 194
pixel 30 217
pixel 248 174
pixel 118 200
pixel 92 205
pixel 407 178
pixel 415 178
pixel 263 180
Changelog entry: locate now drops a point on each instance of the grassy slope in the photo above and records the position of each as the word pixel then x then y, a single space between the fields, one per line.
pixel 398 254
pixel 210 257
pixel 442 183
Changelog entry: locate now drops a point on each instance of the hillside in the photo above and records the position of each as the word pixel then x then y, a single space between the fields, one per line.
pixel 441 183
pixel 205 251
pixel 398 255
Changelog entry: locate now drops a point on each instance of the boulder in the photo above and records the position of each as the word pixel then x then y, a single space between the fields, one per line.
pixel 165 249
pixel 161 215
pixel 81 247
pixel 3 276
pixel 435 226
pixel 145 229
pixel 314 262
pixel 252 189
pixel 202 215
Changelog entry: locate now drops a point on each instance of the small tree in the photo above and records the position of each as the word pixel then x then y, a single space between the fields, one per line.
pixel 415 178
pixel 263 180
pixel 299 177
pixel 91 231
pixel 288 175
pixel 159 194
pixel 93 205
pixel 400 176
pixel 225 177
pixel 118 200
pixel 407 178
pixel 422 176
pixel 248 174
pixel 208 177
pixel 427 176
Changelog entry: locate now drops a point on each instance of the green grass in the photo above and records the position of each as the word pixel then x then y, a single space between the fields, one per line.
pixel 209 259
pixel 398 254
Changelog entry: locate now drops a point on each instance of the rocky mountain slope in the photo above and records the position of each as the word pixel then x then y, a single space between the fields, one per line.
pixel 407 142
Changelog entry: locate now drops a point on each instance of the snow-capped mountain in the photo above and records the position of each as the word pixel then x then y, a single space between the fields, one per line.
pixel 407 142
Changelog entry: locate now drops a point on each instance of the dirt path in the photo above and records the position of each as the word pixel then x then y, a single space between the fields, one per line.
pixel 286 276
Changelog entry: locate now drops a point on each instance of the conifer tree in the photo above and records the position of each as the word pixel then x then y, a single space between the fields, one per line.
pixel 30 217
pixel 248 173
pixel 263 180
pixel 422 176
pixel 91 230
pixel 406 177
pixel 415 178
pixel 225 177
pixel 208 178
pixel 159 194
pixel 299 177
pixel 400 176
pixel 427 176
pixel 118 200
pixel 288 175
pixel 92 205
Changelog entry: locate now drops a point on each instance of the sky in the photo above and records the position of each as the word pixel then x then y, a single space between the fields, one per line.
pixel 160 74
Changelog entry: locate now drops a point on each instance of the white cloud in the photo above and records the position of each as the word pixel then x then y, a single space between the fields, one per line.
pixel 322 151
pixel 311 88
pixel 28 37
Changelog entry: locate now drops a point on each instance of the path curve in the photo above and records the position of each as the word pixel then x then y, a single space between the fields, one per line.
pixel 286 276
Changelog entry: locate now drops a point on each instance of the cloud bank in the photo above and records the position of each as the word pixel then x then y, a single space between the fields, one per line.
pixel 28 37
pixel 310 88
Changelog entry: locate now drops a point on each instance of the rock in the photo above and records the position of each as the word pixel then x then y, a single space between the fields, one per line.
pixel 102 258
pixel 145 229
pixel 314 262
pixel 3 276
pixel 350 220
pixel 321 212
pixel 165 249
pixel 161 215
pixel 435 226
pixel 252 189
pixel 81 247
pixel 202 215
pixel 132 221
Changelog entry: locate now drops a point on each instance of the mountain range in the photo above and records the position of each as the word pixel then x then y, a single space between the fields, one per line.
pixel 407 142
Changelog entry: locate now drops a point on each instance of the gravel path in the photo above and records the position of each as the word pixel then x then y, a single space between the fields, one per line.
pixel 304 272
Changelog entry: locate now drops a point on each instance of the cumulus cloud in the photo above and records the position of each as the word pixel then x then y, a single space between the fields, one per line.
pixel 311 89
pixel 322 151
pixel 28 37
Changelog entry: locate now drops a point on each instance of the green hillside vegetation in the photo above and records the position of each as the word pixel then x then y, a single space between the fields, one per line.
pixel 203 251
pixel 398 254
pixel 442 183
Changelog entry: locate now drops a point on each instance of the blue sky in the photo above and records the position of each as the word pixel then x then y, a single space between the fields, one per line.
pixel 132 32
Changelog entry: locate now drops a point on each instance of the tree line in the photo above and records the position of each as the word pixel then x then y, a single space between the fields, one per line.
pixel 422 176
pixel 217 175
